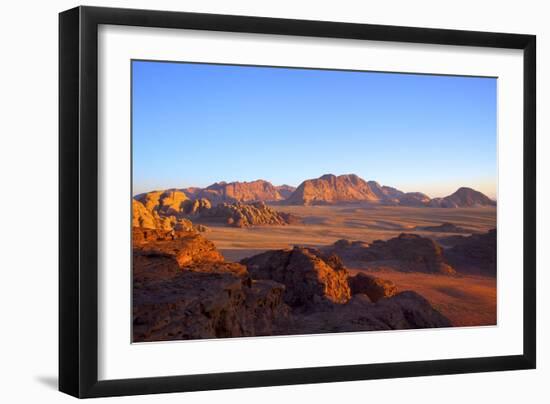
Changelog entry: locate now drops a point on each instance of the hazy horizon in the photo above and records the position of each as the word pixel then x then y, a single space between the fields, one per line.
pixel 197 124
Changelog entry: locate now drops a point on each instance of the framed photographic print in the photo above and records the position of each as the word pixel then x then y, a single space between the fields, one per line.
pixel 250 201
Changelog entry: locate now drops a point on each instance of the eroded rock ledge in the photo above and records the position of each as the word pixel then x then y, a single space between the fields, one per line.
pixel 184 289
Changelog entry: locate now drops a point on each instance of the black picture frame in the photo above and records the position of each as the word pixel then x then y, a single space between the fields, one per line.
pixel 78 201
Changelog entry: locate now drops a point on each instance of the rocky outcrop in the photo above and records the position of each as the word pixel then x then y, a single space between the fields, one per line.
pixel 406 310
pixel 141 217
pixel 475 254
pixel 163 210
pixel 195 207
pixel 194 305
pixel 186 248
pixel 445 228
pixel 462 198
pixel 183 289
pixel 407 252
pixel 165 203
pixel 310 277
pixel 375 288
pixel 244 215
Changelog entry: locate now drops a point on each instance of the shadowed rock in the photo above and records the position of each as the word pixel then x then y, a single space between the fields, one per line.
pixel 445 228
pixel 195 305
pixel 407 252
pixel 405 310
pixel 475 254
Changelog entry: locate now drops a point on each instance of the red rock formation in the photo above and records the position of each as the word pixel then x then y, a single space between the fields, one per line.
pixel 407 252
pixel 244 215
pixel 166 203
pixel 375 288
pixel 254 191
pixel 186 248
pixel 309 276
pixel 330 189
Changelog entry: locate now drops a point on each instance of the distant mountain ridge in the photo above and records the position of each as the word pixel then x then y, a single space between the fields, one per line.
pixel 328 189
pixel 231 192
pixel 347 188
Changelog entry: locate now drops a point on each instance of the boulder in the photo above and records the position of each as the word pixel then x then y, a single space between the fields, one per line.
pixel 309 276
pixel 375 288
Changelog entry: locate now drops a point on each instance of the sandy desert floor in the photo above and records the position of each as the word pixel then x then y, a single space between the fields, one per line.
pixel 324 225
pixel 465 300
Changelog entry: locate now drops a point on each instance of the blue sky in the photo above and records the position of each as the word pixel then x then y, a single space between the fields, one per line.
pixel 196 124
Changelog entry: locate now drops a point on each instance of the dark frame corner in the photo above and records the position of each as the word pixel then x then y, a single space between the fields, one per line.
pixel 78 152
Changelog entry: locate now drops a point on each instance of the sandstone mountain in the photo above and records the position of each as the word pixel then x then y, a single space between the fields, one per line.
pixel 231 192
pixel 462 198
pixel 331 189
pixel 349 188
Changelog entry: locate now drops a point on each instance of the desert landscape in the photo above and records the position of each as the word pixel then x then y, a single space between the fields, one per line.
pixel 273 201
pixel 334 254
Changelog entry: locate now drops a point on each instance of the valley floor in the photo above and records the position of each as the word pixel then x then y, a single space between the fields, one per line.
pixel 465 300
